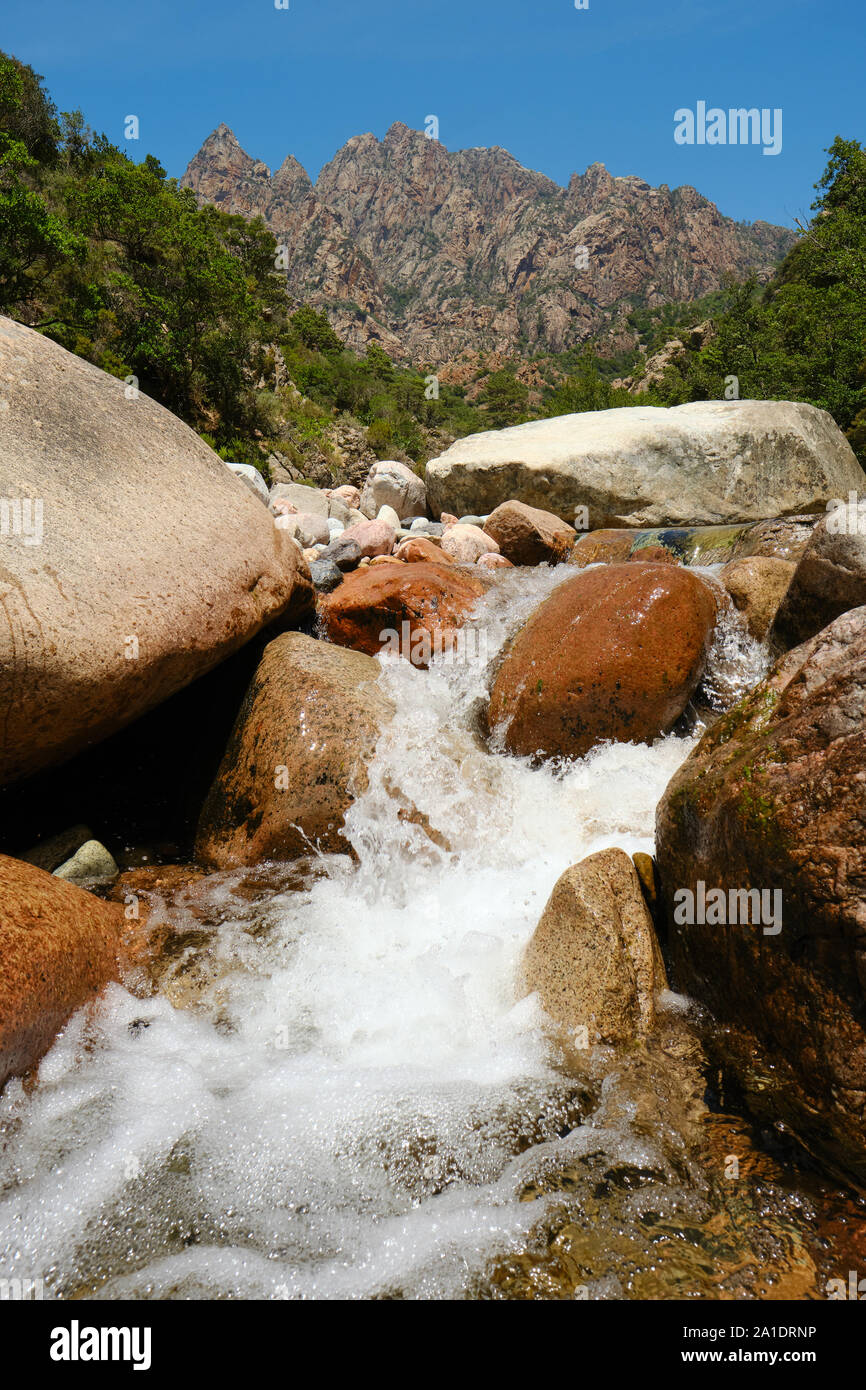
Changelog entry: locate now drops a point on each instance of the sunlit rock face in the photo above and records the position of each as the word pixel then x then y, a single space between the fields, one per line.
pixel 432 252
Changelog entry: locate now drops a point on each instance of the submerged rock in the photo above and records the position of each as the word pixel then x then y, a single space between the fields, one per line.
pixel 59 947
pixel 140 561
pixel 702 463
pixel 606 546
pixel 784 538
pixel 594 959
pixel 297 756
pixel 529 536
pixel 614 653
pixel 772 804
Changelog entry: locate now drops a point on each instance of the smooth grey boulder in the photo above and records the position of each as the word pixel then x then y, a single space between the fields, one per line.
pixel 306 499
pixel 393 484
pixel 253 479
pixel 698 464
pixel 132 560
pixel 325 575
pixel 345 554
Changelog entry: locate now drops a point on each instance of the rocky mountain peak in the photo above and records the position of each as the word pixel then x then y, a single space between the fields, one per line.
pixel 435 253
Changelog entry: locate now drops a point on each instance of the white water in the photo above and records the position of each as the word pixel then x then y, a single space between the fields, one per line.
pixel 355 1098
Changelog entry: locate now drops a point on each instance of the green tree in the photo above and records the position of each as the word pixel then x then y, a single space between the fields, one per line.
pixel 505 398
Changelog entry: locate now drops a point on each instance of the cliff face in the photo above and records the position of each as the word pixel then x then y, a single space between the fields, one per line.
pixel 434 253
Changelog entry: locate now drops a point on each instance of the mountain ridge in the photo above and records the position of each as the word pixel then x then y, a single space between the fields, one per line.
pixel 436 253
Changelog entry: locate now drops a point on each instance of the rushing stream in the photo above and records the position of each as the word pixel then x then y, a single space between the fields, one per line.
pixel 336 1093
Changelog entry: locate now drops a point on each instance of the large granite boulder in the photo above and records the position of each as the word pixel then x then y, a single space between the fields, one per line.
pixel 297 756
pixel 58 946
pixel 133 560
pixel 703 463
pixel 614 653
pixel 772 804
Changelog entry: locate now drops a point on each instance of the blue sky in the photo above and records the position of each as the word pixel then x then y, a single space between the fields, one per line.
pixel 558 87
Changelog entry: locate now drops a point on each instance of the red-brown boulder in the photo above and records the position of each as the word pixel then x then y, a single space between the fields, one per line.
pixel 434 600
pixel 614 653
pixel 58 946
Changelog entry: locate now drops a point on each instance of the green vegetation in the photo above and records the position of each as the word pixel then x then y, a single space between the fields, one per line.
pixel 803 335
pixel 393 403
pixel 119 265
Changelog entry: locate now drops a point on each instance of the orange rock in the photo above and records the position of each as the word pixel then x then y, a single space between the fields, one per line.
pixel 528 536
pixel 494 562
pixel 59 946
pixel 431 599
pixel 614 653
pixel 417 549
pixel 297 755
pixel 602 547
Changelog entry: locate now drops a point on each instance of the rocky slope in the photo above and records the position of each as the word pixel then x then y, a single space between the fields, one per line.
pixel 434 253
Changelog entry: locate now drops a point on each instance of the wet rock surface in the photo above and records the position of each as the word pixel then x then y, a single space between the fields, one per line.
pixel 614 653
